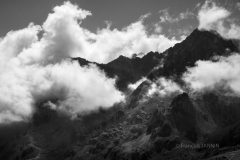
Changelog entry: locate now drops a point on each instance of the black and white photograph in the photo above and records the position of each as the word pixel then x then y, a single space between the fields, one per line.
pixel 119 79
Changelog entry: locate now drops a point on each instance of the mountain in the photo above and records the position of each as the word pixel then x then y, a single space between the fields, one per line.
pixel 199 45
pixel 236 43
pixel 175 126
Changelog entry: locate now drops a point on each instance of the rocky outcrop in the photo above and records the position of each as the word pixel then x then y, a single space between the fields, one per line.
pixel 183 113
pixel 138 94
pixel 224 111
pixel 164 131
pixel 119 114
pixel 156 121
pixel 170 143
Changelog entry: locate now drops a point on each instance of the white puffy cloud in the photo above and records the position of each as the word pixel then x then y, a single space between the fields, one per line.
pixel 15 98
pixel 163 87
pixel 16 41
pixel 211 16
pixel 78 88
pixel 208 74
pixel 63 37
pixel 109 44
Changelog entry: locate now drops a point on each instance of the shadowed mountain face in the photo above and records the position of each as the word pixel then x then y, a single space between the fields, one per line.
pixel 236 43
pixel 184 117
pixel 145 127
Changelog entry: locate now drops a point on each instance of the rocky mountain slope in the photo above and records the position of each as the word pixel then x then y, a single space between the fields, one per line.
pixel 174 126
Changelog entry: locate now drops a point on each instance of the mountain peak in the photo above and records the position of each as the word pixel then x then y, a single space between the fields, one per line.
pixel 121 57
pixel 199 45
pixel 207 33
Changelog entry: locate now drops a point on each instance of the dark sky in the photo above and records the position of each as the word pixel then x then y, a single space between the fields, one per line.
pixel 17 14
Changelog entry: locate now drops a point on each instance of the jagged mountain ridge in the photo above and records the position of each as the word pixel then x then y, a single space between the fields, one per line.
pixel 127 70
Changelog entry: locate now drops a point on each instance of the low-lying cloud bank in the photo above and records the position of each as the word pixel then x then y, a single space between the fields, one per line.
pixel 163 87
pixel 135 85
pixel 207 74
pixel 212 16
pixel 223 74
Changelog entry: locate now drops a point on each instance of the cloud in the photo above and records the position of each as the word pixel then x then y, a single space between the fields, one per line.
pixel 167 18
pixel 186 15
pixel 135 85
pixel 208 74
pixel 211 16
pixel 158 28
pixel 109 44
pixel 143 17
pixel 63 37
pixel 163 87
pixel 18 40
pixel 238 5
pixel 36 70
pixel 103 46
pixel 14 96
pixel 76 88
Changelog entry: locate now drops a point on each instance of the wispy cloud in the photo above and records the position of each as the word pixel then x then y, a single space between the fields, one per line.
pixel 212 16
pixel 163 87
pixel 135 85
pixel 238 5
pixel 167 18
